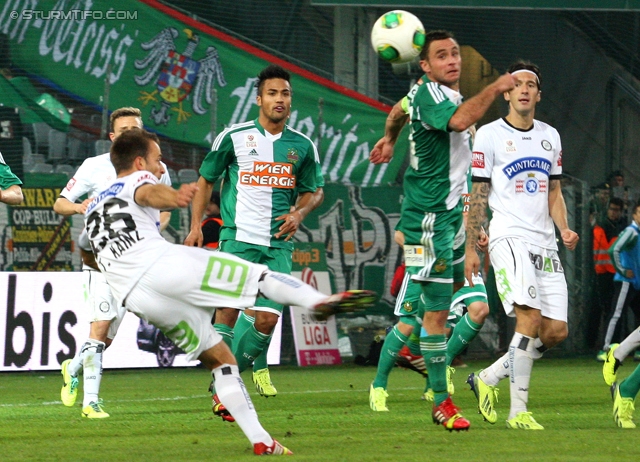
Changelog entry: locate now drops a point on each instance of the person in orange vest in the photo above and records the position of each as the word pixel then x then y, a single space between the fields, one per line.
pixel 212 222
pixel 605 232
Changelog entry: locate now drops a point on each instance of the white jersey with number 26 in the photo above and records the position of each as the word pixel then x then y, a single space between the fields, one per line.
pixel 116 226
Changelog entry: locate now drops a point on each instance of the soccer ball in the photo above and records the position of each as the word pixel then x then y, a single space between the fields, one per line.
pixel 397 36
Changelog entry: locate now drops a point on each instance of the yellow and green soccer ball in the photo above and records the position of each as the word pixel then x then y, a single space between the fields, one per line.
pixel 397 36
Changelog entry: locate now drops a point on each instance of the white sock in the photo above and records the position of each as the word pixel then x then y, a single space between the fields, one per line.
pixel 287 290
pixel 497 371
pixel 92 363
pixel 537 348
pixel 233 394
pixel 520 366
pixel 75 366
pixel 628 345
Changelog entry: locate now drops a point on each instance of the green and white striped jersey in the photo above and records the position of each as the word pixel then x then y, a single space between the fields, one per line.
pixel 440 158
pixel 262 175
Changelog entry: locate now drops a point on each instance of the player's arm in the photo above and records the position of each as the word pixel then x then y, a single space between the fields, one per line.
pixel 626 241
pixel 160 196
pixel 305 204
pixel 558 212
pixel 165 217
pixel 473 109
pixel 200 201
pixel 12 195
pixel 382 151
pixel 476 216
pixel 65 207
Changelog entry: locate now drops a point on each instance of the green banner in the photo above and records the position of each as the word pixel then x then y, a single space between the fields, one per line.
pixel 190 80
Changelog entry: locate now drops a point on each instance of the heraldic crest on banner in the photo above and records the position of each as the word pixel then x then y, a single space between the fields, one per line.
pixel 177 76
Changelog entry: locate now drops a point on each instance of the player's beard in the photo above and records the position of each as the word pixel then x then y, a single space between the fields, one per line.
pixel 277 118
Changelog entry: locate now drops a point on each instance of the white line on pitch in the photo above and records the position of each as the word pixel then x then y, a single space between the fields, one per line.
pixel 181 398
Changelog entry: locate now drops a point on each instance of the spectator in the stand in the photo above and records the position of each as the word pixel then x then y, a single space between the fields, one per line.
pixel 600 200
pixel 212 222
pixel 605 232
pixel 619 190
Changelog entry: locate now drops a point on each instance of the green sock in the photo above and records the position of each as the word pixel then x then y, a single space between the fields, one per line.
pixel 630 386
pixel 243 323
pixel 434 350
pixel 227 334
pixel 261 361
pixel 249 347
pixel 388 355
pixel 463 334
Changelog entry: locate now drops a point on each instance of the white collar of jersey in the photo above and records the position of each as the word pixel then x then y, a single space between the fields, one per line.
pixel 271 137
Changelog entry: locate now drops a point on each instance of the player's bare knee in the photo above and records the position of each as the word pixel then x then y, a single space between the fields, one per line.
pixel 478 312
pixel 226 316
pixel 404 328
pixel 551 334
pixel 265 322
pixel 216 356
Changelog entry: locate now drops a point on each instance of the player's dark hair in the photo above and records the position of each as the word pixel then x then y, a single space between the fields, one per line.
pixel 124 112
pixel 272 71
pixel 432 36
pixel 522 64
pixel 131 144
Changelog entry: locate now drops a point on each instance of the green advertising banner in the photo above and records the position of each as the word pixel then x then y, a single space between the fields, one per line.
pixel 190 80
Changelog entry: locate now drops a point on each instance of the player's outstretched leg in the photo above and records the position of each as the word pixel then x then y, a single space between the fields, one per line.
pixel 287 290
pixel 350 301
pixel 486 395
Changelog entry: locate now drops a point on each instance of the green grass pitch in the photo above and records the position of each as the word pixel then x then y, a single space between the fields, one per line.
pixel 321 414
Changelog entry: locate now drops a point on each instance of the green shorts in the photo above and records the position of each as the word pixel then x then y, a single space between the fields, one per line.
pixel 274 258
pixel 430 239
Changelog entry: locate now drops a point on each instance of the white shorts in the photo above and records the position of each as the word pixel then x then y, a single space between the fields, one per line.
pixel 100 303
pixel 531 276
pixel 180 292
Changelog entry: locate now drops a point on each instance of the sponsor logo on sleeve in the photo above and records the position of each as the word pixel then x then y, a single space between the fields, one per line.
pixel 145 177
pixel 70 184
pixel 477 159
pixel 560 159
